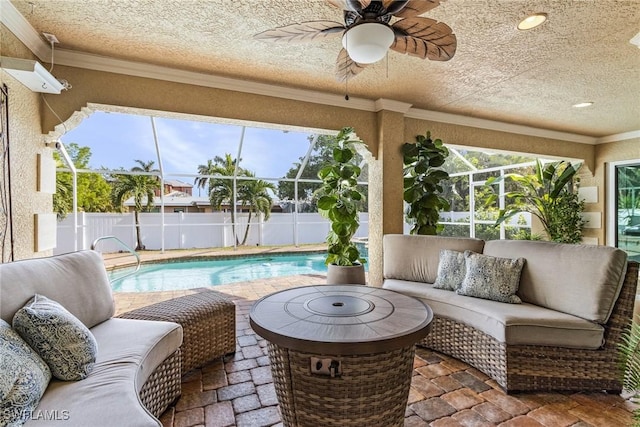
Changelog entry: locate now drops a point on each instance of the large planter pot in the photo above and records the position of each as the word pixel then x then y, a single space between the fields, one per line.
pixel 345 275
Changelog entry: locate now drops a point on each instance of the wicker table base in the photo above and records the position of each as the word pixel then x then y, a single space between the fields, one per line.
pixel 208 320
pixel 372 390
pixel 341 355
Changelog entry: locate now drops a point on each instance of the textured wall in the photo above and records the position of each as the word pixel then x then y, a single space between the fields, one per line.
pixel 26 142
pixel 611 152
pixel 385 189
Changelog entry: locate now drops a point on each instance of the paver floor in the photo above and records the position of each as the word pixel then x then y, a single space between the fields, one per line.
pixel 444 391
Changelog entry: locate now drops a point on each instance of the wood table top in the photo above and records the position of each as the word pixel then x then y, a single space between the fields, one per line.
pixel 341 319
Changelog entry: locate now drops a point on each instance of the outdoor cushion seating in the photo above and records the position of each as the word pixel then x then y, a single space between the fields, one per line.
pixel 208 320
pixel 576 301
pixel 137 371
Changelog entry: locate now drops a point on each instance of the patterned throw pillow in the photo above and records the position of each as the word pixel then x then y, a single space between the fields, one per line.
pixel 58 337
pixel 23 378
pixel 491 278
pixel 451 270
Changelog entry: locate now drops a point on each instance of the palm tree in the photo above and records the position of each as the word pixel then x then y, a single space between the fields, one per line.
pixel 220 190
pixel 141 187
pixel 255 195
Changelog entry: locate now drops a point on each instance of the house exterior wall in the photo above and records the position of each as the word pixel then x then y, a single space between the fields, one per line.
pixel 26 142
pixel 383 131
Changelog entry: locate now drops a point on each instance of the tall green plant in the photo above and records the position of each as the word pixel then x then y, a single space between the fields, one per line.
pixel 422 188
pixel 629 351
pixel 339 197
pixel 550 195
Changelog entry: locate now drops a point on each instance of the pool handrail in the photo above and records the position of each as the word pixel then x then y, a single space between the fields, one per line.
pixel 124 245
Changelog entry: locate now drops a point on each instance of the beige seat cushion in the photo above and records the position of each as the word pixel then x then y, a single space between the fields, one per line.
pixel 128 352
pixel 416 258
pixel 513 324
pixel 582 280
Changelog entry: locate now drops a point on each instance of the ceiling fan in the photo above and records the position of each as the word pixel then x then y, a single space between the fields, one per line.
pixel 367 33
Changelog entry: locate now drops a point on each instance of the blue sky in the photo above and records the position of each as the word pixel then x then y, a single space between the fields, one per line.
pixel 117 139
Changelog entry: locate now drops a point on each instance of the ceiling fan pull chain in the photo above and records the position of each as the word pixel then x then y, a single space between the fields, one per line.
pixel 346 88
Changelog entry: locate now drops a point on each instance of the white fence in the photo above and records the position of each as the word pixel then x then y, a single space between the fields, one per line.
pixel 195 230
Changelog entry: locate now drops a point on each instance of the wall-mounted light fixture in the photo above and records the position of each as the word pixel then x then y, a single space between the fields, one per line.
pixel 31 74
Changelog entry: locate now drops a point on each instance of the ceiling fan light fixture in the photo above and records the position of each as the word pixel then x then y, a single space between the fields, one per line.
pixel 532 21
pixel 368 43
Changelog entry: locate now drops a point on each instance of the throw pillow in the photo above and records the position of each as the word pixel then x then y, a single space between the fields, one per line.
pixel 58 337
pixel 491 278
pixel 23 377
pixel 451 270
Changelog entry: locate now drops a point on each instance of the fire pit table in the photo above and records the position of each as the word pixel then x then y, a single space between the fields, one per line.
pixel 341 355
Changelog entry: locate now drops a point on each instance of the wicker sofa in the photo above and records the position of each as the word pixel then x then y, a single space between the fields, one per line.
pixel 576 301
pixel 137 371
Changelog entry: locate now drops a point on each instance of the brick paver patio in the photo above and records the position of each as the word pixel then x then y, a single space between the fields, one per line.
pixel 444 391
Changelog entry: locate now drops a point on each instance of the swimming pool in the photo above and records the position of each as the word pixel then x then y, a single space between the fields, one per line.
pixel 192 274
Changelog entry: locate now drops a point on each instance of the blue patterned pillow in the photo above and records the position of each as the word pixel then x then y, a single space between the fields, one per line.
pixel 58 337
pixel 451 270
pixel 23 377
pixel 491 278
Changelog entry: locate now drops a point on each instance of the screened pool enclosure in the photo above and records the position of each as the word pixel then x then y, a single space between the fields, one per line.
pixel 204 165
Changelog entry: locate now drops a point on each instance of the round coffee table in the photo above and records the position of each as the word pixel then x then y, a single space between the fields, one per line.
pixel 341 355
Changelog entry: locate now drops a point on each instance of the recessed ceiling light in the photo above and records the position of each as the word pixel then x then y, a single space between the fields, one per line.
pixel 583 104
pixel 532 21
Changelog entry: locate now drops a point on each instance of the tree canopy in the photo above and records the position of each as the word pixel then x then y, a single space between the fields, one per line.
pixel 93 192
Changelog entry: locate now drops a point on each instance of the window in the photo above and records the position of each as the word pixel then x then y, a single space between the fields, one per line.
pixel 626 195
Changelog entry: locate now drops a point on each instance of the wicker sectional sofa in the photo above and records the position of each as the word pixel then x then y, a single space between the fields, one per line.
pixel 138 364
pixel 576 302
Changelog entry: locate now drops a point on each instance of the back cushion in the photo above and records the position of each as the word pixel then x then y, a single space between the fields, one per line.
pixel 78 281
pixel 415 258
pixel 582 280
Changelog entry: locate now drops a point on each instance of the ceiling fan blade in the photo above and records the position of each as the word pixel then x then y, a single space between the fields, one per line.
pixel 394 6
pixel 304 32
pixel 351 5
pixel 415 8
pixel 347 68
pixel 425 38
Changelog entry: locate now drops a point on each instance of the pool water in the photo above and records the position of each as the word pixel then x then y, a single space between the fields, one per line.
pixel 193 274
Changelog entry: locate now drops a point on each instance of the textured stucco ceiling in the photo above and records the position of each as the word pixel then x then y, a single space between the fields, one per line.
pixel 582 53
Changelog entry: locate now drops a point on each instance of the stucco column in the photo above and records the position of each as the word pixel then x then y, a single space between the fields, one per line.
pixel 385 183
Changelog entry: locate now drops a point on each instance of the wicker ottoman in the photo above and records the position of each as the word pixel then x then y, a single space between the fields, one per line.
pixel 208 320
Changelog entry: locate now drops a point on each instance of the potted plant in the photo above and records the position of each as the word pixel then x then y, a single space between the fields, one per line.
pixel 338 202
pixel 422 187
pixel 550 194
